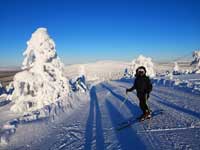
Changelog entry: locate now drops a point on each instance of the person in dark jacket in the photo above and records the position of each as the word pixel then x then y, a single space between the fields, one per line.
pixel 143 87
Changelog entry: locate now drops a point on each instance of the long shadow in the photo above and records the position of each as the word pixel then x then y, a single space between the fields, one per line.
pixel 127 138
pixel 133 108
pixel 94 109
pixel 190 112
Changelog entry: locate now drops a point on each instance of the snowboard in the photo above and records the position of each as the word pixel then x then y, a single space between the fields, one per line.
pixel 133 120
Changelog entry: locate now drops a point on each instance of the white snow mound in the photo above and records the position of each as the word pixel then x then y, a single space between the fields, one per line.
pixel 42 82
pixel 143 61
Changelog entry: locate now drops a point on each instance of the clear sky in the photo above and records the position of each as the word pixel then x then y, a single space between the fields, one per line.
pixel 93 30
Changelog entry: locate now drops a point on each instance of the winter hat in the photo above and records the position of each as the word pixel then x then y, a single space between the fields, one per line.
pixel 141 68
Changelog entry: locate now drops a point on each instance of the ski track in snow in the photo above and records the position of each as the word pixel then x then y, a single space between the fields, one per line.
pixel 92 125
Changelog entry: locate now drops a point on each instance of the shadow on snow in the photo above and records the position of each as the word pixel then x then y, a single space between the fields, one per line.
pixel 127 138
pixel 133 108
pixel 94 113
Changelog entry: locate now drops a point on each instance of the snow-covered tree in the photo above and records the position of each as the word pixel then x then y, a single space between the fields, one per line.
pixel 176 68
pixel 42 81
pixel 196 62
pixel 143 61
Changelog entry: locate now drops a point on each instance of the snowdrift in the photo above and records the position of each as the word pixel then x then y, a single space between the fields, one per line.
pixel 187 82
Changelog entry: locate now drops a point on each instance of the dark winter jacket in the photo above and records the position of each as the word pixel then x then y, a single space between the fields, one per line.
pixel 142 85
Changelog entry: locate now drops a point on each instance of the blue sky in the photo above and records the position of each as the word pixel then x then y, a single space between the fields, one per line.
pixel 87 31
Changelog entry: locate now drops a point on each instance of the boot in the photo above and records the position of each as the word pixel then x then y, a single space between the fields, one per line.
pixel 146 115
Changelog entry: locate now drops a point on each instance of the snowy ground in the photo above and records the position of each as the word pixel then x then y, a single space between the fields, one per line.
pixel 92 124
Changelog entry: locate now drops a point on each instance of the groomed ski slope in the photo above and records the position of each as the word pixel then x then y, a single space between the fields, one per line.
pixel 92 125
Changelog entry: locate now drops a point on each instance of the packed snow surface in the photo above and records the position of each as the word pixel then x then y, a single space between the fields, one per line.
pixel 92 125
pixel 42 81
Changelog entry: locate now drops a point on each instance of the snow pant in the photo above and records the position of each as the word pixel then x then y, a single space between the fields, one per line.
pixel 143 101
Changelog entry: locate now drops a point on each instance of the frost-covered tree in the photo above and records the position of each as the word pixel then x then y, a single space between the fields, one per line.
pixel 143 61
pixel 176 68
pixel 42 81
pixel 196 62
